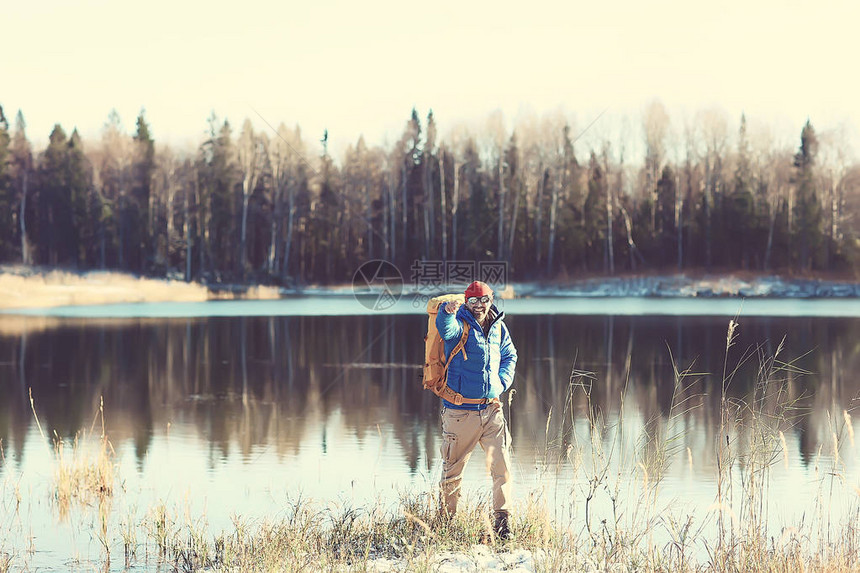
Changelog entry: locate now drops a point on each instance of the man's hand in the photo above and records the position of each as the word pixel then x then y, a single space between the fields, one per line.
pixel 451 306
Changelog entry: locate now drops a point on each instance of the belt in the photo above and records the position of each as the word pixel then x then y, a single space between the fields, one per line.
pixel 457 399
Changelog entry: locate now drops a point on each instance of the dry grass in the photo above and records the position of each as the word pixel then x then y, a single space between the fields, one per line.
pixel 84 469
pixel 81 474
pixel 22 288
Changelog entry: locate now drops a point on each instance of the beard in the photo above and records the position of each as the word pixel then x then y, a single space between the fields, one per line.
pixel 482 314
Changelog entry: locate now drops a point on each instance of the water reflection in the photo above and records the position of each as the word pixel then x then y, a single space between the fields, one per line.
pixel 247 382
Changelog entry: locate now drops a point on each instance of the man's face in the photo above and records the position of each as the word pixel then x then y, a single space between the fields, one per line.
pixel 479 306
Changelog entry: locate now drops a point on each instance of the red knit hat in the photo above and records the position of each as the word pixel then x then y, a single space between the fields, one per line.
pixel 478 288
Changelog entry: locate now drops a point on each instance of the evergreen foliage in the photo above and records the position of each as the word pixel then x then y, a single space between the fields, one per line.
pixel 266 207
pixel 7 194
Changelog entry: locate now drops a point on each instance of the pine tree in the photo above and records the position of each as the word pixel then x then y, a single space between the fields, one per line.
pixel 412 189
pixel 7 220
pixel 807 209
pixel 250 163
pixel 22 177
pixel 113 180
pixel 140 196
pixel 565 222
pixel 739 210
pixel 218 181
pixel 666 234
pixel 595 215
pixel 430 163
pixel 473 195
pixel 515 192
pixel 56 236
pixel 78 182
pixel 328 221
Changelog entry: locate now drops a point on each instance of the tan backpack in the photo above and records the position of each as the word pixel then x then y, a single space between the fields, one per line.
pixel 435 365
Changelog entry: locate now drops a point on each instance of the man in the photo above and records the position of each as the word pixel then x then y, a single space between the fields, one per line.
pixel 481 376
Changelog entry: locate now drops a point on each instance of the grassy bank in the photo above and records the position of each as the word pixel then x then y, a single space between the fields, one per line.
pixel 27 288
pixel 315 535
pixel 24 287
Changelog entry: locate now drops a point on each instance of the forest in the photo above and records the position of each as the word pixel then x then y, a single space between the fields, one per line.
pixel 274 206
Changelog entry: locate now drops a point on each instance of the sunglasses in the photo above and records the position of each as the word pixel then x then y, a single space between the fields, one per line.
pixel 474 299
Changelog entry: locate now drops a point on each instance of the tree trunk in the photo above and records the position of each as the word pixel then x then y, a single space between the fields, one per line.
pixel 444 206
pixel 368 218
pixel 455 200
pixel 426 208
pixel 186 230
pixel 150 245
pixel 393 213
pixel 404 209
pixel 121 221
pixel 679 220
pixel 501 226
pixel 273 246
pixel 429 205
pixel 513 227
pixel 288 241
pixel 631 246
pixel 610 251
pixel 708 205
pixel 244 232
pixel 539 221
pixel 553 209
pixel 385 225
pixel 169 225
pixel 277 217
pixel 102 239
pixel 202 232
pixel 832 233
pixel 25 250
pixel 767 250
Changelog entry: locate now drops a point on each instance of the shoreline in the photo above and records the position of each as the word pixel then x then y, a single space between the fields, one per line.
pixel 30 287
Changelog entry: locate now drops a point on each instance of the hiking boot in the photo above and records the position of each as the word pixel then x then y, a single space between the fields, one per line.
pixel 502 527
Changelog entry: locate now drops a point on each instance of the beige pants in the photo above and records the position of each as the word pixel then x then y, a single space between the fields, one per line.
pixel 462 430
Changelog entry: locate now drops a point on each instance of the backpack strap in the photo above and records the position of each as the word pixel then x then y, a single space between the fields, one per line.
pixel 444 391
pixel 461 346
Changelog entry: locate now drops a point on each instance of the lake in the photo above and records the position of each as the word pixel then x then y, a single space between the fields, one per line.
pixel 228 409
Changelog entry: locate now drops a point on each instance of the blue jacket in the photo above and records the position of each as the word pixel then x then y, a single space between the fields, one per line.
pixel 489 370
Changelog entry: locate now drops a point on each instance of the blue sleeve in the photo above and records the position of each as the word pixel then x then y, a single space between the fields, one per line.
pixel 448 326
pixel 508 362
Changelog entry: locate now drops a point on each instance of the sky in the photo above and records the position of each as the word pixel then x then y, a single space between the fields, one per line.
pixel 358 68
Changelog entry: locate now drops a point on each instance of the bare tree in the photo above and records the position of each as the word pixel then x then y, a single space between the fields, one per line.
pixel 429 163
pixel 443 200
pixel 715 129
pixel 532 144
pixel 22 166
pixel 561 179
pixel 189 188
pixel 610 210
pixel 512 160
pixel 455 202
pixel 493 152
pixel 251 154
pixel 277 154
pixel 833 162
pixel 553 211
pixel 167 183
pixel 655 124
pixel 115 162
